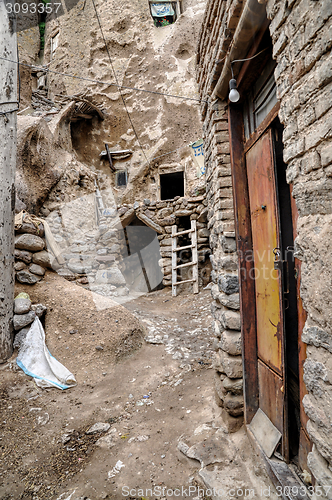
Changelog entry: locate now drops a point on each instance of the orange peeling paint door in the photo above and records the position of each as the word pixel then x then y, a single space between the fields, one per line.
pixel 268 281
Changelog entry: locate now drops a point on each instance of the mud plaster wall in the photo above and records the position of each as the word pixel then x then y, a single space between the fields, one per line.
pixel 301 36
pixel 161 59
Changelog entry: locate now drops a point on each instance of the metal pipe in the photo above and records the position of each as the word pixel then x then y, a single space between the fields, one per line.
pixel 252 17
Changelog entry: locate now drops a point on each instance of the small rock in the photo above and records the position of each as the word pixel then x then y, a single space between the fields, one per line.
pixel 136 205
pixel 98 427
pixel 72 332
pixel 147 202
pixel 19 266
pixel 102 251
pixel 28 227
pixel 29 242
pixel 42 258
pixel 22 306
pixel 20 337
pixel 27 278
pixel 22 320
pixel 78 267
pixel 39 309
pixel 83 281
pixel 36 269
pixel 65 273
pixel 99 348
pixel 23 255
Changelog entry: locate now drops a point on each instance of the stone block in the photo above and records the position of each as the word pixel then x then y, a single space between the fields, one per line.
pixel 233 424
pixel 168 221
pixel 19 266
pixel 166 242
pixel 322 440
pixel 233 385
pixel 234 404
pixel 312 335
pixel 22 306
pixel 203 233
pixel 27 278
pixel 231 342
pixel 36 269
pixel 164 212
pixel 232 365
pixel 321 471
pixel 111 276
pixel 29 242
pixel 28 227
pixel 78 267
pixel 217 362
pixel 326 155
pixel 228 264
pixel 228 244
pixel 314 374
pixel 228 283
pixel 230 301
pixel 39 309
pixel 22 320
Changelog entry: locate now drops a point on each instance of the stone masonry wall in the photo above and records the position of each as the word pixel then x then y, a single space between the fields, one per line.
pixel 213 44
pixel 301 33
pixel 301 37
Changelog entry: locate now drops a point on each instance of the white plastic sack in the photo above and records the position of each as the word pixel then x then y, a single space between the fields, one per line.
pixel 36 361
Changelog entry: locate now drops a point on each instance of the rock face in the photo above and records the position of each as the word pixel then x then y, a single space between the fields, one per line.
pixel 141 52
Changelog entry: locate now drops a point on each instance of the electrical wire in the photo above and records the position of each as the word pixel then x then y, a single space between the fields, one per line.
pixel 117 82
pixel 91 80
pixel 248 59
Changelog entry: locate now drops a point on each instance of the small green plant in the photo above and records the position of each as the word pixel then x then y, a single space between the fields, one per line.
pixel 165 22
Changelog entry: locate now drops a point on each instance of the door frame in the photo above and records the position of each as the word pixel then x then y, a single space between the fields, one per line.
pixel 238 148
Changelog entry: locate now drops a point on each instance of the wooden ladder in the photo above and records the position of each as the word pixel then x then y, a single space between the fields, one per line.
pixel 194 263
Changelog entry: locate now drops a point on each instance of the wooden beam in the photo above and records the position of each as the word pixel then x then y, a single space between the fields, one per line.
pixel 245 262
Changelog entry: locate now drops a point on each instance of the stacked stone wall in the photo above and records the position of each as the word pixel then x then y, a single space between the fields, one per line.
pixel 225 288
pixel 301 33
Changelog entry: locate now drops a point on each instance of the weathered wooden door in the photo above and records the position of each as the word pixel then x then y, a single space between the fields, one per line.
pixel 266 243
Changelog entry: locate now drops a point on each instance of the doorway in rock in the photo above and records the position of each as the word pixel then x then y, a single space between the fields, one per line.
pixel 141 256
pixel 269 281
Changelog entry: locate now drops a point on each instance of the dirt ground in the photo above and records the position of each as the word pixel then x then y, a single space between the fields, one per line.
pixel 155 394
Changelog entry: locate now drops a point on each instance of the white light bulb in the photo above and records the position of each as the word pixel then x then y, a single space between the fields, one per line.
pixel 234 96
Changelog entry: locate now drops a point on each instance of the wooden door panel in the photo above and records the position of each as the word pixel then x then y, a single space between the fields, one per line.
pixel 271 395
pixel 265 235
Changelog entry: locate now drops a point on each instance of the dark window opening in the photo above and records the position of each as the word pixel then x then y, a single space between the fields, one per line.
pixel 171 185
pixel 121 178
pixel 163 13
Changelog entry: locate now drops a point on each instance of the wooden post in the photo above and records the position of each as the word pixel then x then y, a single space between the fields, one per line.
pixel 8 133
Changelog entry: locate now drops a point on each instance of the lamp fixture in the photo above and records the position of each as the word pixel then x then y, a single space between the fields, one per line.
pixel 234 95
